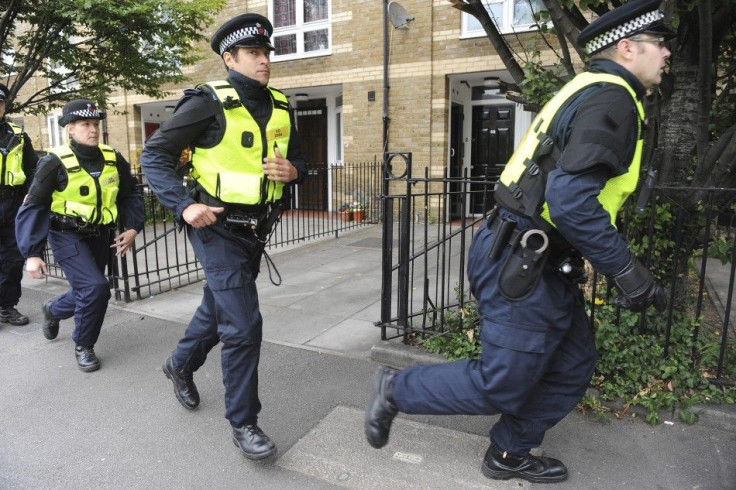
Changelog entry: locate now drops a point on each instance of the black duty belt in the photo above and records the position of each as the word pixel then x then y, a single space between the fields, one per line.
pixel 568 263
pixel 71 225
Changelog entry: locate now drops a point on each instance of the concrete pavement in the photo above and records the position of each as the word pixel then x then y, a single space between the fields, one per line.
pixel 121 427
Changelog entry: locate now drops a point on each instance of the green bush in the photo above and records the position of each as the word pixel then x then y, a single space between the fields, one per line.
pixel 461 336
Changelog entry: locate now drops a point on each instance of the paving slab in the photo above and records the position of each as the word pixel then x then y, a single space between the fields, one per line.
pixel 418 456
pixel 350 336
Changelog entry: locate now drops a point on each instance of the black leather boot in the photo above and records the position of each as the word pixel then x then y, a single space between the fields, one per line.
pixel 86 359
pixel 12 316
pixel 50 322
pixel 253 442
pixel 381 410
pixel 184 387
pixel 499 465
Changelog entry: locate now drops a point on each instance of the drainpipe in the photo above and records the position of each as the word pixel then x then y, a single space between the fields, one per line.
pixel 385 79
pixel 103 125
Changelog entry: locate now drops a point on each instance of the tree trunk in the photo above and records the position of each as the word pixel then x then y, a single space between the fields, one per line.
pixel 678 116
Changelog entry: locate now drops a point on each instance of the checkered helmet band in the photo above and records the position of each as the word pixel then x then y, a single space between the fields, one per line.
pixel 622 31
pixel 90 112
pixel 240 35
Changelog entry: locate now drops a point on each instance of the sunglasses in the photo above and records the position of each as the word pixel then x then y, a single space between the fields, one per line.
pixel 659 41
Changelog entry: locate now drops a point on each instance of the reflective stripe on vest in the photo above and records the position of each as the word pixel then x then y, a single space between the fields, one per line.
pixel 12 165
pixel 91 199
pixel 232 171
pixel 617 189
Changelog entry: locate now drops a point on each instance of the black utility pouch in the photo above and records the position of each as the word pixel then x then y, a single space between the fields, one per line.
pixel 503 234
pixel 524 265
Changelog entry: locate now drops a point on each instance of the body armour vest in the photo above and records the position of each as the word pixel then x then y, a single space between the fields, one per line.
pixel 521 186
pixel 88 198
pixel 232 169
pixel 12 166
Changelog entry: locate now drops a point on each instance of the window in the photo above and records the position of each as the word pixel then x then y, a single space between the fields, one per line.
pixel 509 16
pixel 57 135
pixel 301 28
pixel 8 61
pixel 64 82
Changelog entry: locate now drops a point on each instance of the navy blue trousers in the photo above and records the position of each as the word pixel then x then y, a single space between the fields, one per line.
pixel 11 261
pixel 537 359
pixel 83 261
pixel 230 313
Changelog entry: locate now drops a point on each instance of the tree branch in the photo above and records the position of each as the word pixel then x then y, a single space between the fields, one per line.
pixel 477 10
pixel 719 164
pixel 565 26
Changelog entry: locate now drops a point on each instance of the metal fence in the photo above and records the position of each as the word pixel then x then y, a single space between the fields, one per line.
pixel 331 199
pixel 425 247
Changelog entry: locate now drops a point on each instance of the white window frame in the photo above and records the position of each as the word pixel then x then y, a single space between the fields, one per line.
pixel 57 135
pixel 471 27
pixel 300 28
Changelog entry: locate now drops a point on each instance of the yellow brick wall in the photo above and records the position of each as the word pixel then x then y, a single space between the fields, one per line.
pixel 421 57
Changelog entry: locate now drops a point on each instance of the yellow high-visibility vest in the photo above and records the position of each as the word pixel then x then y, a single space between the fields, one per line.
pixel 12 160
pixel 88 198
pixel 520 187
pixel 232 170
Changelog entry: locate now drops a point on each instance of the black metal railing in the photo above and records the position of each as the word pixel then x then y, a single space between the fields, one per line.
pixel 425 250
pixel 162 258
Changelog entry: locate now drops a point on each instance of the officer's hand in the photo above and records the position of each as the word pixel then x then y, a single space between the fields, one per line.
pixel 638 289
pixel 279 169
pixel 36 267
pixel 200 215
pixel 123 242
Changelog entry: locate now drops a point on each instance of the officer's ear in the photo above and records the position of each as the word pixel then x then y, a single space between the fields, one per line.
pixel 626 48
pixel 228 59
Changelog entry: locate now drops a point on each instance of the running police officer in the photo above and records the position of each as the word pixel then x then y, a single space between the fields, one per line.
pixel 244 149
pixel 524 266
pixel 18 165
pixel 77 193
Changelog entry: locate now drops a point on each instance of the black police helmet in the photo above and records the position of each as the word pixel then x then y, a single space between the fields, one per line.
pixel 246 30
pixel 78 109
pixel 634 17
pixel 4 92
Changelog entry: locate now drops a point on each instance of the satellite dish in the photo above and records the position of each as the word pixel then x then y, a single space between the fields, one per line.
pixel 398 15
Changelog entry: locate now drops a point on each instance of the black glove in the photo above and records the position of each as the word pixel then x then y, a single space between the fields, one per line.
pixel 638 289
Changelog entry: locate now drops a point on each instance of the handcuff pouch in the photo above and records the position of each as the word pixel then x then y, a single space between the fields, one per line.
pixel 523 267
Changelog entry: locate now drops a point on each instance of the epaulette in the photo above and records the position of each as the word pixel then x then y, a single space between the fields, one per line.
pixel 188 94
pixel 278 104
pixel 191 92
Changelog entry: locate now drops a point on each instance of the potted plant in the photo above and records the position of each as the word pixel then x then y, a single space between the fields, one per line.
pixel 346 212
pixel 358 210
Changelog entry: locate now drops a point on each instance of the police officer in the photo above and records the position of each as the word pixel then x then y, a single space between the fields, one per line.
pixel 524 267
pixel 78 192
pixel 244 149
pixel 18 164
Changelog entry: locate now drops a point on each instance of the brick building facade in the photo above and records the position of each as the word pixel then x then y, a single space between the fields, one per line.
pixel 330 59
